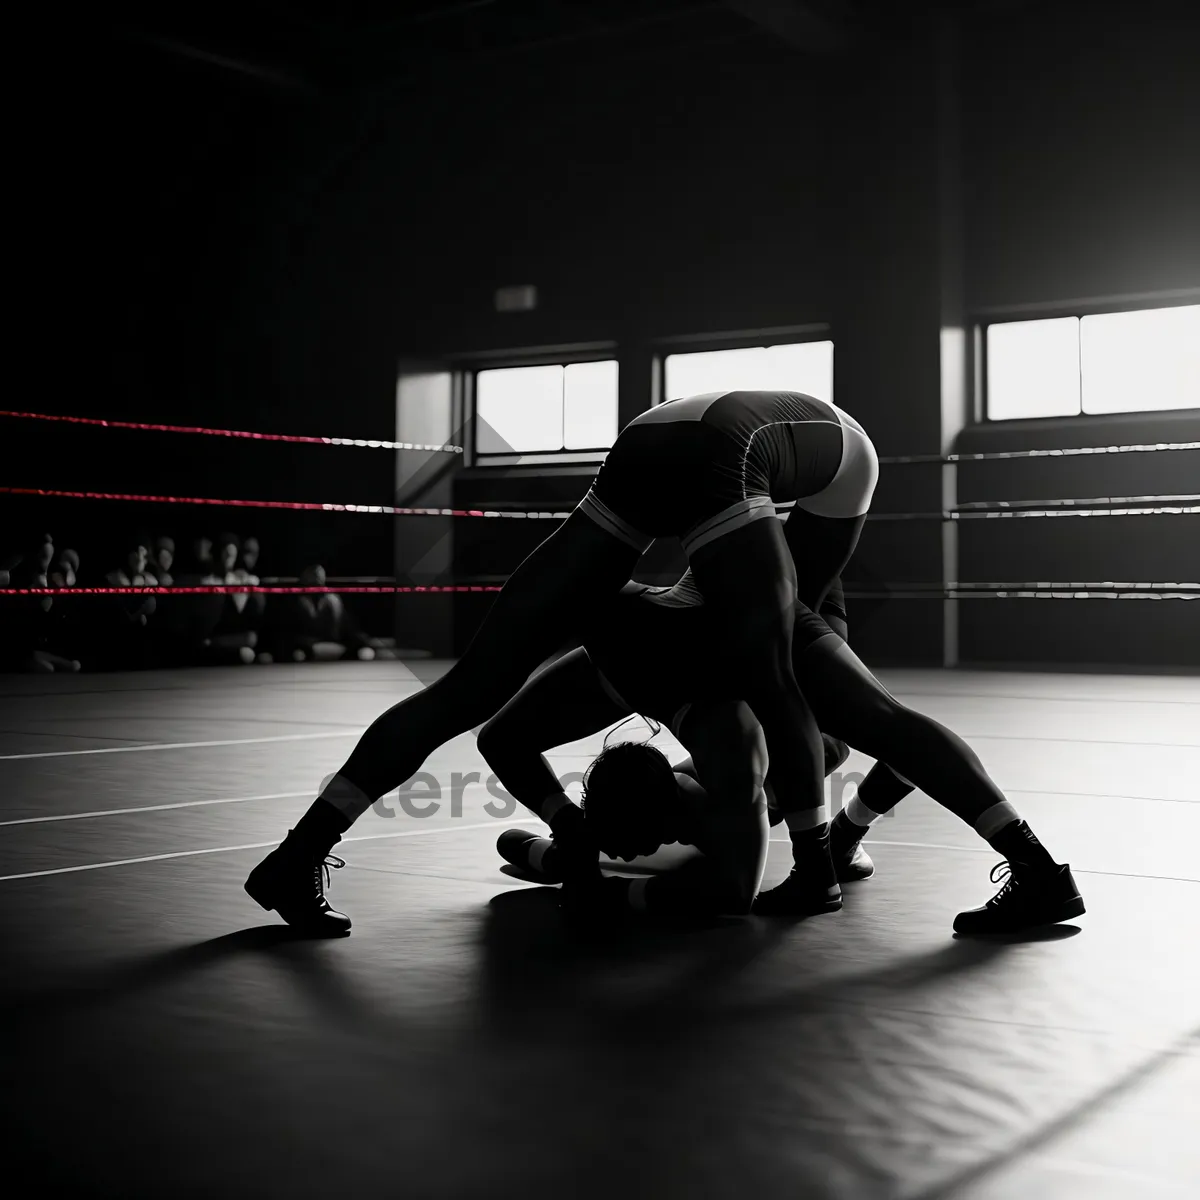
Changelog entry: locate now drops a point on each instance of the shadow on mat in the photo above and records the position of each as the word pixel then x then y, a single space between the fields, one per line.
pixel 109 984
pixel 533 964
pixel 536 966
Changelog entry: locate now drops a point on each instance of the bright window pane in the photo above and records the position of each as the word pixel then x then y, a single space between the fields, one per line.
pixel 1033 369
pixel 799 367
pixel 712 371
pixel 1141 361
pixel 519 409
pixel 802 367
pixel 590 406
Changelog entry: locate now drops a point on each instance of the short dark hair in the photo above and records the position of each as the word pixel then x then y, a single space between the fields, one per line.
pixel 624 781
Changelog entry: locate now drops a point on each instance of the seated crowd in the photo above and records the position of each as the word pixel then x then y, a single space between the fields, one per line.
pixel 44 634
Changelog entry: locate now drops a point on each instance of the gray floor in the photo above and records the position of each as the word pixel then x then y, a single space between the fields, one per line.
pixel 166 1038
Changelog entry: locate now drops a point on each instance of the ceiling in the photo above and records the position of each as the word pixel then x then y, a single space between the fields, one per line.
pixel 307 47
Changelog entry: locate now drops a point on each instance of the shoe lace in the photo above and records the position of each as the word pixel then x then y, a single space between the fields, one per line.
pixel 321 871
pixel 1003 873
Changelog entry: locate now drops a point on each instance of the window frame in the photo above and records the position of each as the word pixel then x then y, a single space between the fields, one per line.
pixel 1080 309
pixel 544 356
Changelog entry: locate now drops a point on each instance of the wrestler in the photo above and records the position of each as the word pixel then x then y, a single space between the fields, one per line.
pixel 706 470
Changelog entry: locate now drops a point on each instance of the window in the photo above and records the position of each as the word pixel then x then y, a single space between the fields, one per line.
pixel 1141 361
pixel 532 410
pixel 1033 369
pixel 798 367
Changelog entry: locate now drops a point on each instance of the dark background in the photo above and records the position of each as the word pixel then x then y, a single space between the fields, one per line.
pixel 250 220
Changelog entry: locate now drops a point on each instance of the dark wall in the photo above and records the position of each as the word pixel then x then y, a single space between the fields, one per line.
pixel 1081 169
pixel 1082 181
pixel 167 211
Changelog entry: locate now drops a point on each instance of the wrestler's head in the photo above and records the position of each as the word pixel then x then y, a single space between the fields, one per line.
pixel 631 800
pixel 250 553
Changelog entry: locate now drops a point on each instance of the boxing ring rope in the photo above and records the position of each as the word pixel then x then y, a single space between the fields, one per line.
pixel 976 510
pixel 996 455
pixel 362 443
pixel 385 510
pixel 374 444
pixel 1006 513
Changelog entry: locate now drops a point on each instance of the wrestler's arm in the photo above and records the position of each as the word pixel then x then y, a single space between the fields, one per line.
pixel 724 792
pixel 562 702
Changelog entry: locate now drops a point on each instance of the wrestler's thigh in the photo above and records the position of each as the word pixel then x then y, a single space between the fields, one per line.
pixel 847 699
pixel 820 548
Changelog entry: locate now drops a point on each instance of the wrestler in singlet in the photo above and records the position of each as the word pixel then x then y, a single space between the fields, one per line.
pixel 702 467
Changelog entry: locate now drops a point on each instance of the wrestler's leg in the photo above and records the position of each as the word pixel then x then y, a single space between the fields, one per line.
pixel 554 588
pixel 820 548
pixel 851 703
pixel 748 580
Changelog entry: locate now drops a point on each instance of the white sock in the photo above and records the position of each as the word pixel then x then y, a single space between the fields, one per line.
pixel 857 813
pixel 992 820
pixel 351 801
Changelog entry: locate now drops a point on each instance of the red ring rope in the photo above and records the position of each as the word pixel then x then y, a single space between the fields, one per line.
pixel 888 460
pixel 303 506
pixel 369 443
pixel 235 589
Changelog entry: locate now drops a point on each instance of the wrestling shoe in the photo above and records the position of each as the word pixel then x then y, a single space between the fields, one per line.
pixel 854 865
pixel 810 889
pixel 1030 897
pixel 292 880
pixel 799 895
pixel 530 857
